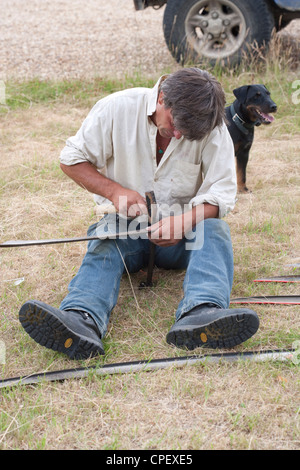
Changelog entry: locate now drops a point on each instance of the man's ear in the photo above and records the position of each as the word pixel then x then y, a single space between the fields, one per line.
pixel 160 98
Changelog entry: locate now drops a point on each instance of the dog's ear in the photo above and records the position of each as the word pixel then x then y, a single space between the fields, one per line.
pixel 241 93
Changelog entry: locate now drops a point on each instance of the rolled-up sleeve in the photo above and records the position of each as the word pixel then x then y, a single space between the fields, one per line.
pixel 219 186
pixel 93 141
pixel 119 138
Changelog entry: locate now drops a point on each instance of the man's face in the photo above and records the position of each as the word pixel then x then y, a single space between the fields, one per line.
pixel 164 120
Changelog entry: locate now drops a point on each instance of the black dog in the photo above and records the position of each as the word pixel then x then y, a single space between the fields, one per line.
pixel 251 108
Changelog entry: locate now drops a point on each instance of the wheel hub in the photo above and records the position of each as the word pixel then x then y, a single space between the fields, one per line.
pixel 215 28
pixel 215 25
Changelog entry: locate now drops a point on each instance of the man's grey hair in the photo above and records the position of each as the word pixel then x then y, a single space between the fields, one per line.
pixel 197 102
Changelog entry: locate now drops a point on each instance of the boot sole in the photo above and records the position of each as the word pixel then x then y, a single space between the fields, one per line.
pixel 225 332
pixel 51 332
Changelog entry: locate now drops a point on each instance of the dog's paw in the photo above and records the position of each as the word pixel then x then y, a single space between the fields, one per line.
pixel 244 190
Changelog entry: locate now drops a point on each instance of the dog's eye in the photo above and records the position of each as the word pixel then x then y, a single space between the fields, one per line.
pixel 258 94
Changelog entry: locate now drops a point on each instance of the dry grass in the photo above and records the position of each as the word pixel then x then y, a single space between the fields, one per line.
pixel 224 406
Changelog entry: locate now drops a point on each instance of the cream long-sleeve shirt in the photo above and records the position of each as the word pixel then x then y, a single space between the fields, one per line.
pixel 119 138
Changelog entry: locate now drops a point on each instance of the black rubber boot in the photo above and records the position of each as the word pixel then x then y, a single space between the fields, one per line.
pixel 71 332
pixel 208 326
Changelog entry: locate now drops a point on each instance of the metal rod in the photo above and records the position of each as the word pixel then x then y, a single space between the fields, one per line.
pixel 108 236
pixel 146 366
pixel 273 299
pixel 284 279
pixel 152 208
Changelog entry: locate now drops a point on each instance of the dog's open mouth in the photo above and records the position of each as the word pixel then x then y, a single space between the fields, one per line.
pixel 264 118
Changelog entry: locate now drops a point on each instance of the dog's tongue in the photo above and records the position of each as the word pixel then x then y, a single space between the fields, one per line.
pixel 267 117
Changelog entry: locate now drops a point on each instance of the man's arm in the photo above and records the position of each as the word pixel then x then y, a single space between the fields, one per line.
pixel 126 201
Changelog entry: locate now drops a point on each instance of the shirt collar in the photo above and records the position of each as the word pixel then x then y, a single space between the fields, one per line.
pixel 152 100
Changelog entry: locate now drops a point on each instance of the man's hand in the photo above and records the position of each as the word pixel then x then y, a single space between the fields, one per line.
pixel 168 231
pixel 129 203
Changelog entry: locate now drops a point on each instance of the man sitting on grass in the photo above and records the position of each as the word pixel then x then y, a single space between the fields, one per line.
pixel 171 139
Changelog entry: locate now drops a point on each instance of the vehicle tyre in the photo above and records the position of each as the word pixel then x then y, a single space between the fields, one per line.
pixel 220 31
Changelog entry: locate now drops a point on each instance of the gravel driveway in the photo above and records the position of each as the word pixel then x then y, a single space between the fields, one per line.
pixel 82 38
pixel 79 38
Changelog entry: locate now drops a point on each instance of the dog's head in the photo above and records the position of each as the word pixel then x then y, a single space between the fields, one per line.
pixel 257 102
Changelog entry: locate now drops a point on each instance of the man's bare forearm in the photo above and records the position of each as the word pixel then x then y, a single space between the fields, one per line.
pixel 125 200
pixel 87 176
pixel 206 211
pixel 198 213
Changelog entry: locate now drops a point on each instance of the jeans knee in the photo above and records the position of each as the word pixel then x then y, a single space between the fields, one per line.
pixel 98 247
pixel 218 226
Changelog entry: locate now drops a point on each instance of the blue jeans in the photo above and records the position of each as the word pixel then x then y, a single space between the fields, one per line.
pixel 208 278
